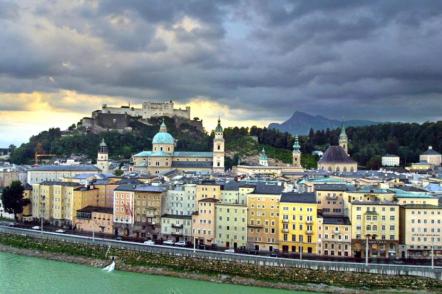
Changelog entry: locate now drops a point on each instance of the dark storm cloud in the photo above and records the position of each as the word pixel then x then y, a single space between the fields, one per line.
pixel 354 59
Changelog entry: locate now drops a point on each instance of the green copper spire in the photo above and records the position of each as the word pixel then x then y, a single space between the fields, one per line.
pixel 296 145
pixel 219 128
pixel 343 133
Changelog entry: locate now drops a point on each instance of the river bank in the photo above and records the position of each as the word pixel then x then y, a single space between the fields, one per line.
pixel 216 271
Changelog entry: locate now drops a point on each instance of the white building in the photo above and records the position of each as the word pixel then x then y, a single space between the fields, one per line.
pixel 390 160
pixel 149 109
pixel 181 200
pixel 431 156
pixel 43 173
pixel 176 220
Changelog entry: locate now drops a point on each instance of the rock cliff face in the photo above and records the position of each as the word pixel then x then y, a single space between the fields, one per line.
pixel 300 123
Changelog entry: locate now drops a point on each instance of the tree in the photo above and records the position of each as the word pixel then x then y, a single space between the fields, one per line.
pixel 118 172
pixel 12 198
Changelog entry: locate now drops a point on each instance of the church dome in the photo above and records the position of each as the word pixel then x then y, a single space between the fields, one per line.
pixel 163 137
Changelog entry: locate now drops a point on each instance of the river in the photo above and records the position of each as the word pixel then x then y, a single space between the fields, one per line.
pixel 22 274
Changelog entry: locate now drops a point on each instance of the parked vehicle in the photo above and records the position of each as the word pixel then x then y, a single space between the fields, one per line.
pixel 168 242
pixel 36 227
pixel 149 242
pixel 60 231
pixel 229 250
pixel 181 243
pixel 11 224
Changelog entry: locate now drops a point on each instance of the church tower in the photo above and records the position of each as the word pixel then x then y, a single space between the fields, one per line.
pixel 218 149
pixel 343 139
pixel 103 157
pixel 263 160
pixel 296 153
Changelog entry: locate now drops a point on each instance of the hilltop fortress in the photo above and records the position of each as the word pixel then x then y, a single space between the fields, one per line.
pixel 119 118
pixel 149 109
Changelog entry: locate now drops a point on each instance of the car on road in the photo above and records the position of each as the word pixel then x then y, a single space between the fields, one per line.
pixel 36 227
pixel 11 224
pixel 149 242
pixel 181 243
pixel 168 242
pixel 229 250
pixel 119 238
pixel 60 231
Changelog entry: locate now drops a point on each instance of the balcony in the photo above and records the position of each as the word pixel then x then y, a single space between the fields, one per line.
pixel 309 232
pixel 285 230
pixel 285 221
pixel 331 197
pixel 175 226
pixel 336 232
pixel 309 221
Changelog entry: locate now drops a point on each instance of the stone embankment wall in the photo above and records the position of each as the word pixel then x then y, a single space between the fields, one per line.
pixel 221 270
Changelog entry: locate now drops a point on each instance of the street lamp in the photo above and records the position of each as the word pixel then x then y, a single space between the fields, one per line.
pixel 42 210
pixel 366 248
pixel 300 250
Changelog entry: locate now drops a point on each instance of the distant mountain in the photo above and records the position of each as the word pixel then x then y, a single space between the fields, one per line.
pixel 300 123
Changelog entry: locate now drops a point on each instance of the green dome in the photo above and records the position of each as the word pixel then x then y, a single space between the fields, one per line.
pixel 219 128
pixel 163 138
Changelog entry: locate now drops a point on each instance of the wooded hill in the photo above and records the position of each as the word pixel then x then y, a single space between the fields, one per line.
pixel 367 144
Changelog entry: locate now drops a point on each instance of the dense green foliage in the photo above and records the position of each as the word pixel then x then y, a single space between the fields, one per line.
pixel 12 198
pixel 367 144
pixel 121 145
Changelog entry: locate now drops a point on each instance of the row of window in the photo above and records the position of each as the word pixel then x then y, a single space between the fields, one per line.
pixel 424 221
pixel 300 238
pixel 375 228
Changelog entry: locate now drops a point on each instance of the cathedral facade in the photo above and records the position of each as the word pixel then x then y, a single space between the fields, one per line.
pixel 163 156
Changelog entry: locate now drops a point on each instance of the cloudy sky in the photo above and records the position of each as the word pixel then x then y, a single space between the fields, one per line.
pixel 252 62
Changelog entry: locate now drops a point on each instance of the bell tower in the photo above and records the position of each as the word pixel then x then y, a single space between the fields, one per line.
pixel 218 149
pixel 343 139
pixel 296 153
pixel 103 157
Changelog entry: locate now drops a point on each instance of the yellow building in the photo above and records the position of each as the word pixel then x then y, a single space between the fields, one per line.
pixel 203 222
pixel 27 208
pixel 231 225
pixel 420 229
pixel 137 210
pixel 330 198
pixel 378 223
pixel 298 223
pixel 106 191
pixel 149 201
pixel 95 219
pixel 334 236
pixel 207 190
pixel 58 202
pixel 263 217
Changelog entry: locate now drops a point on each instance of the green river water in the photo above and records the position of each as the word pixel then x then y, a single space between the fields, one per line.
pixel 22 274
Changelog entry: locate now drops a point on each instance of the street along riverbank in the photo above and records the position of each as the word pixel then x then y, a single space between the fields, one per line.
pixel 301 279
